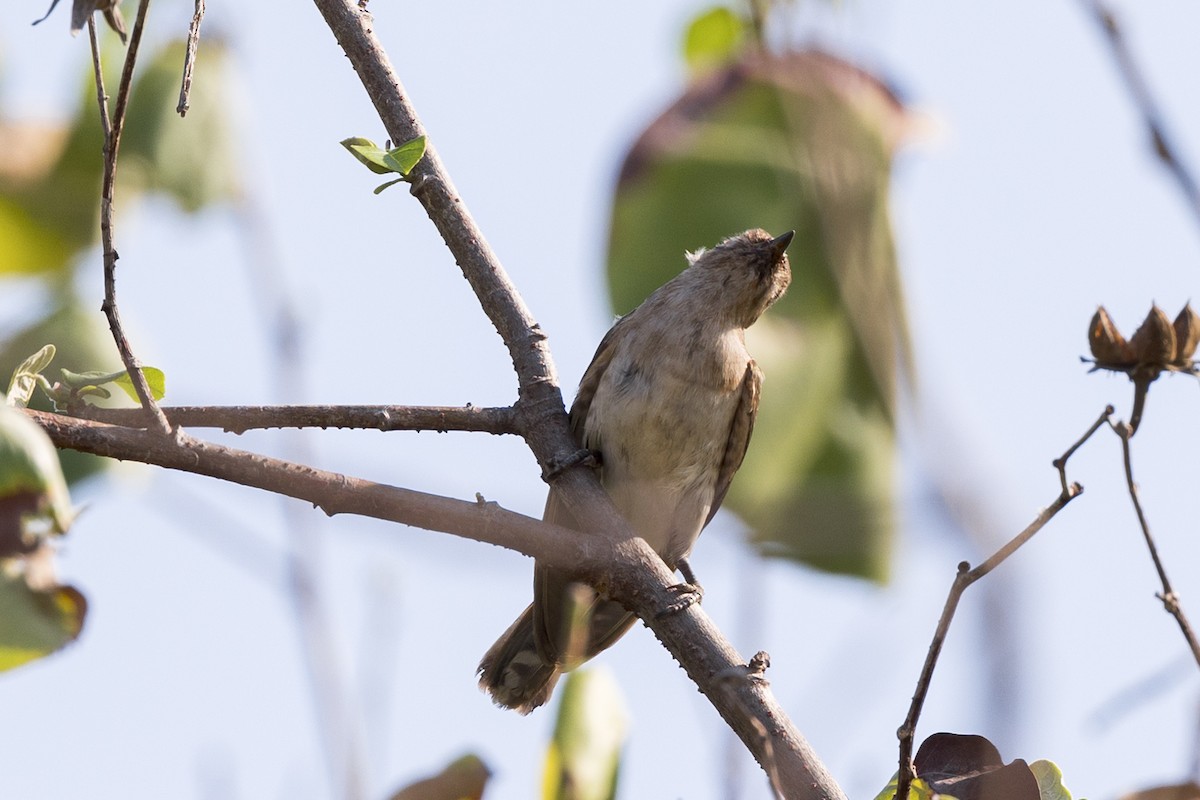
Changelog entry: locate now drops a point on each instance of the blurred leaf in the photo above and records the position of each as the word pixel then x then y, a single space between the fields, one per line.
pixel 917 790
pixel 463 779
pixel 155 379
pixel 50 177
pixel 36 623
pixel 1050 780
pixel 970 766
pixel 583 760
pixel 798 141
pixel 33 493
pixel 81 339
pixel 713 39
pixel 27 247
pixel 194 160
pixel 26 376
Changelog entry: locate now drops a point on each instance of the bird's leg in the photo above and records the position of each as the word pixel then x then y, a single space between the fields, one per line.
pixel 686 593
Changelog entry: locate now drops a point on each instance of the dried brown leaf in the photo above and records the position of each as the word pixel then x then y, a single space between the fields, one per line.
pixel 1107 344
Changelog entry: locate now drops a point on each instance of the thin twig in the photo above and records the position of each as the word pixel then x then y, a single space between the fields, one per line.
pixel 101 94
pixel 1060 463
pixel 189 59
pixel 1169 599
pixel 963 579
pixel 112 144
pixel 1143 99
pixel 239 419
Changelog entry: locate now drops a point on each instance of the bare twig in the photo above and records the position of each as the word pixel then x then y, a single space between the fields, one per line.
pixel 238 419
pixel 1143 99
pixel 112 143
pixel 101 94
pixel 963 579
pixel 189 59
pixel 1060 463
pixel 1169 599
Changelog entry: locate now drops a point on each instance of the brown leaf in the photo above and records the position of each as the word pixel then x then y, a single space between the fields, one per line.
pixel 1107 344
pixel 1154 342
pixel 1187 335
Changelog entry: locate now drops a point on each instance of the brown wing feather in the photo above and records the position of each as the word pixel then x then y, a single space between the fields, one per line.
pixel 549 586
pixel 739 434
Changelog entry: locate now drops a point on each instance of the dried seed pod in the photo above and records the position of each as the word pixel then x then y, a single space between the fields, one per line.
pixel 1153 343
pixel 1107 344
pixel 1187 336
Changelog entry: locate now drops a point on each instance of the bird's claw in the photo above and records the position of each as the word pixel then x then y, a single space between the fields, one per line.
pixel 581 456
pixel 686 595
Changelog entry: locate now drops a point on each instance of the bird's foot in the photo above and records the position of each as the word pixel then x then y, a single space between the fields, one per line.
pixel 686 594
pixel 559 466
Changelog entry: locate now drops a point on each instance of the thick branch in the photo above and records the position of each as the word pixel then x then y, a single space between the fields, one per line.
pixel 239 419
pixel 628 570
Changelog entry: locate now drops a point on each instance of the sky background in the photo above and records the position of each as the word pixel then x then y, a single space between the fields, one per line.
pixel 1031 197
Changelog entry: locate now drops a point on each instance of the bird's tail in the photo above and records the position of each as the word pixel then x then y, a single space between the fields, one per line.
pixel 513 672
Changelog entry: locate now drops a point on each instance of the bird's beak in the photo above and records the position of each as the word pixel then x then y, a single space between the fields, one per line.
pixel 780 243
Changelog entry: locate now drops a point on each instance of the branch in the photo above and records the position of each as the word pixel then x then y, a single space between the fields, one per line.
pixel 703 652
pixel 963 579
pixel 112 142
pixel 1139 92
pixel 1169 599
pixel 625 569
pixel 189 59
pixel 239 419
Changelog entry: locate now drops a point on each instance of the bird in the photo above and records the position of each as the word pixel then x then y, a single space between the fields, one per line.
pixel 666 407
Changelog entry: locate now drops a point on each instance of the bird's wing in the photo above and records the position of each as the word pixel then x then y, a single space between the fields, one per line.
pixel 739 434
pixel 590 382
pixel 550 586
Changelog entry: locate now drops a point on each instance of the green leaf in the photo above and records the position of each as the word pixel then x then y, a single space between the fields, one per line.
pixel 194 160
pixel 798 141
pixel 80 337
pixel 33 491
pixel 155 379
pixel 399 160
pixel 27 375
pixel 89 383
pixel 1049 780
pixel 36 623
pixel 917 790
pixel 27 246
pixel 714 38
pixel 402 159
pixel 368 153
pixel 584 758
pixel 383 186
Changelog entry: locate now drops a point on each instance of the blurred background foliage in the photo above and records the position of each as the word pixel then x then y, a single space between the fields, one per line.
pixel 49 225
pixel 787 140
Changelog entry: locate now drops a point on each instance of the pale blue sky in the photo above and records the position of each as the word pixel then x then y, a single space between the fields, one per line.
pixel 1032 198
